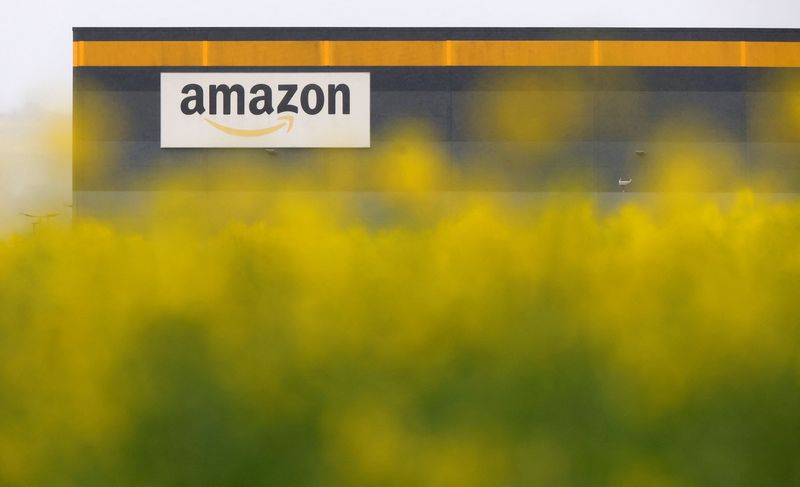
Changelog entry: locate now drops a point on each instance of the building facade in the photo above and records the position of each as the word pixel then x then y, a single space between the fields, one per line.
pixel 537 106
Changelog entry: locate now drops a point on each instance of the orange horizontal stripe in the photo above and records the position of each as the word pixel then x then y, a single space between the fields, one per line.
pixel 436 53
pixel 142 53
pixel 264 53
pixel 523 53
pixel 669 53
pixel 388 53
pixel 773 54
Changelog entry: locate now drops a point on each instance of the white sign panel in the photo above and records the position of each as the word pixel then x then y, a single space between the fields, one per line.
pixel 265 110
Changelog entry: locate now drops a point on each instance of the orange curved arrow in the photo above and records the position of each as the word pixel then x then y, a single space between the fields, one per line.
pixel 288 121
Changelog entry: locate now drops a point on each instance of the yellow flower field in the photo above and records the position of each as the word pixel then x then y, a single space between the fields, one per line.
pixel 490 344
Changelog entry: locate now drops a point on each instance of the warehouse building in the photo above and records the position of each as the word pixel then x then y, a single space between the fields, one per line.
pixel 589 110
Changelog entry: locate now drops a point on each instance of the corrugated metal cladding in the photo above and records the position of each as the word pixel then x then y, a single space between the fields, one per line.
pixel 623 85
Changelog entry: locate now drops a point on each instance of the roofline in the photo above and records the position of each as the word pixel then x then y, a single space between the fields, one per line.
pixel 430 33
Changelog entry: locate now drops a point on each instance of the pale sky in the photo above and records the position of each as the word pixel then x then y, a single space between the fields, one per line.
pixel 35 36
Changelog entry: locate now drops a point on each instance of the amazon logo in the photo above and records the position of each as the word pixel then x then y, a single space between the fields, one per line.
pixel 266 110
pixel 285 100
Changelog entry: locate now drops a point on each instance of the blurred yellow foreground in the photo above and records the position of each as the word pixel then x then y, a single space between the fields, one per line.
pixel 487 345
pixel 431 339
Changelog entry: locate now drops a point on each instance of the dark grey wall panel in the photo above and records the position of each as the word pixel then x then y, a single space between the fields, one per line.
pixel 772 116
pixel 390 108
pixel 723 164
pixel 523 116
pixel 148 78
pixel 135 113
pixel 771 79
pixel 477 78
pixel 621 111
pixel 513 166
pixel 647 115
pixel 657 78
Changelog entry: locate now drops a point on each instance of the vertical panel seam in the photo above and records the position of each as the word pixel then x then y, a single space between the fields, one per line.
pixel 743 53
pixel 327 58
pixel 448 52
pixel 595 53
